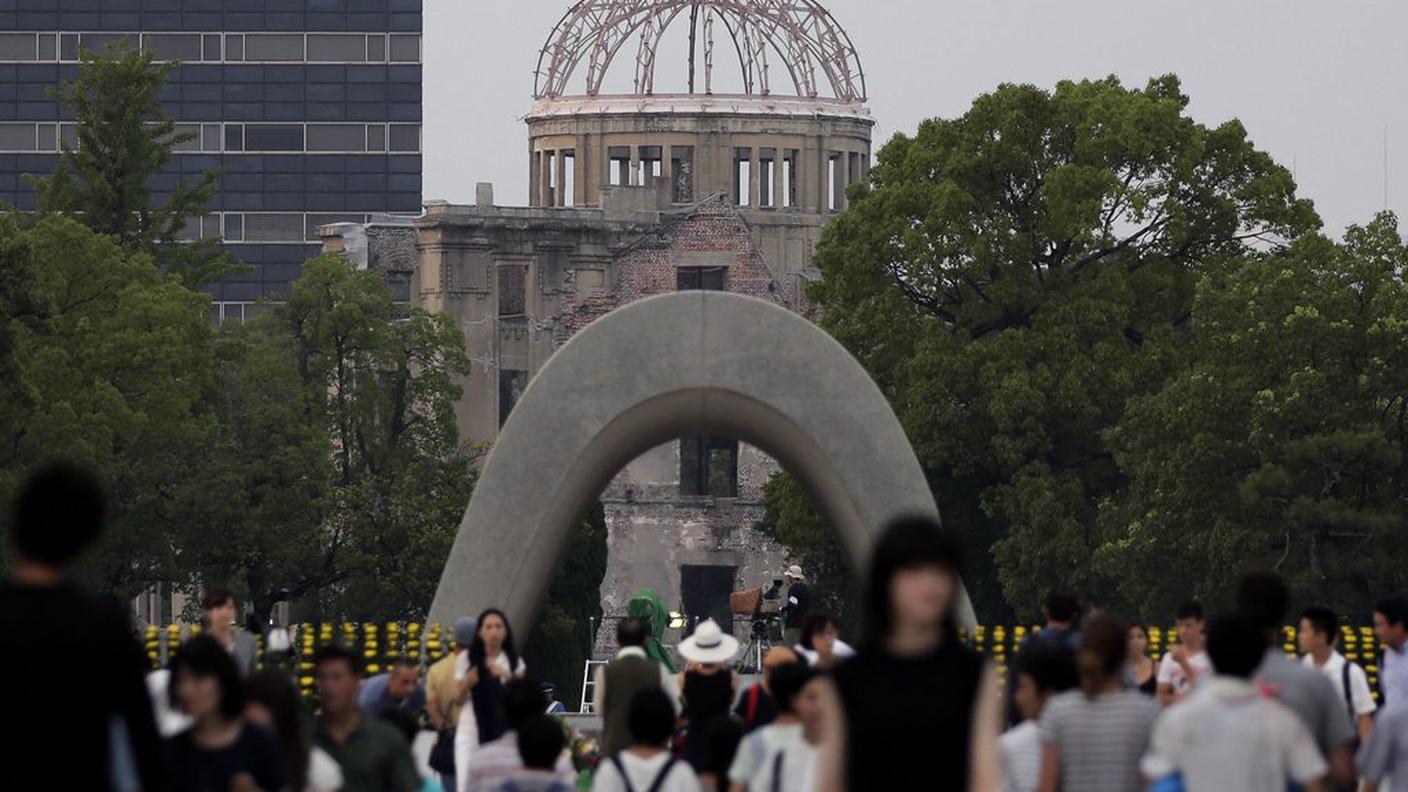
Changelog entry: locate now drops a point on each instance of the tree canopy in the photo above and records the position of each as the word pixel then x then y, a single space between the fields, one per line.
pixel 125 143
pixel 1014 277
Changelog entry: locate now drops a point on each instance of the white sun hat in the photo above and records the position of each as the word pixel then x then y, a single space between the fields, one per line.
pixel 795 572
pixel 709 644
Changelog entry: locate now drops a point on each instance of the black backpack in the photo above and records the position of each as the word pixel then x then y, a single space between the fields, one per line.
pixel 654 785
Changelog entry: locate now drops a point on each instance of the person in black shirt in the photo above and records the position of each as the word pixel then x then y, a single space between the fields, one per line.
pixel 221 746
pixel 797 606
pixel 64 704
pixel 915 709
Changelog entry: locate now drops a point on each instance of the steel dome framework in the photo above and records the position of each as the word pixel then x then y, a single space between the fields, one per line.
pixel 803 37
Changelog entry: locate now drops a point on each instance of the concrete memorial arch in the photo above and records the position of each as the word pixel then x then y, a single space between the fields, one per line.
pixel 698 362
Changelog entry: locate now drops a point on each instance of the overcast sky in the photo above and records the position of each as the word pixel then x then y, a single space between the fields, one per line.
pixel 1315 83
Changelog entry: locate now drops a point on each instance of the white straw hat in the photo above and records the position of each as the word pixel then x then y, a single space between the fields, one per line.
pixel 709 644
pixel 795 572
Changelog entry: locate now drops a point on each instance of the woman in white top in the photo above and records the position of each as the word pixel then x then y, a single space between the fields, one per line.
pixel 480 674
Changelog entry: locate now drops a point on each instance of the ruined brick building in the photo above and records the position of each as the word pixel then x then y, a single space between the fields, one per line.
pixel 636 193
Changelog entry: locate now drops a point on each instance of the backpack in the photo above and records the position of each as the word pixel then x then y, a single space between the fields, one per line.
pixel 656 785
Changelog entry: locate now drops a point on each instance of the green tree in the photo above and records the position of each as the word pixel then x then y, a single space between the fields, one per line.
pixel 386 385
pixel 1281 443
pixel 793 520
pixel 125 140
pixel 111 367
pixel 1012 277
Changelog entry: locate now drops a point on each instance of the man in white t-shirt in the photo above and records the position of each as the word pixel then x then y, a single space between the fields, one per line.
pixel 647 764
pixel 1225 735
pixel 795 766
pixel 1185 663
pixel 1316 637
pixel 753 753
pixel 1043 669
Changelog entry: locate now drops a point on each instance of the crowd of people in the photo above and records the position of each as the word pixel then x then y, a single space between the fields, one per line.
pixel 1085 706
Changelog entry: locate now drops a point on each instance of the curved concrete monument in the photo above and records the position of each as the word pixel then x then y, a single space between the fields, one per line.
pixel 655 370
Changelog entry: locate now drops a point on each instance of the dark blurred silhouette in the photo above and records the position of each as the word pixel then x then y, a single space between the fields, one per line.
pixel 64 701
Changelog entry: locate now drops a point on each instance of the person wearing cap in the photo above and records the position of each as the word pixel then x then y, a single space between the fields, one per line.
pixel 554 707
pixel 797 606
pixel 443 700
pixel 708 686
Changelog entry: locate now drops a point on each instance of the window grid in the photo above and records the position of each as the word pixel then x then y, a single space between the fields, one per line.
pixel 44 137
pixel 217 46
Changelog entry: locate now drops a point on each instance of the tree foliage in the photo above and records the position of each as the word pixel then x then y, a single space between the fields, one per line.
pixel 126 141
pixel 1014 276
pixel 342 407
pixel 1281 443
pixel 111 367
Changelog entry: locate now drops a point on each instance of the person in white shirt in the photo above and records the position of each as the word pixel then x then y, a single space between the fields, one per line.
pixel 786 682
pixel 647 764
pixel 795 766
pixel 1316 637
pixel 1043 669
pixel 1185 663
pixel 1391 628
pixel 1225 735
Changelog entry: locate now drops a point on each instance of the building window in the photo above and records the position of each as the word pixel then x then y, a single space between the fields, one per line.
pixel 274 227
pixel 17 137
pixel 682 170
pixel 336 47
pixel 700 278
pixel 337 137
pixel 405 137
pixel 405 48
pixel 511 387
pixel 278 47
pixel 512 290
pixel 273 137
pixel 18 47
pixel 709 466
pixel 704 593
pixel 173 46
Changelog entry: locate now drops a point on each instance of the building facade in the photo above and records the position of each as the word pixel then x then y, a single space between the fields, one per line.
pixel 309 109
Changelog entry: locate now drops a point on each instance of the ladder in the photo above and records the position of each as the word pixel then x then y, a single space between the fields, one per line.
pixel 589 685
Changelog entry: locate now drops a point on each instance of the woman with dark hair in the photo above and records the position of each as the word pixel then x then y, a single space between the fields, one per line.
pixel 1093 738
pixel 272 702
pixel 1142 671
pixel 220 748
pixel 919 708
pixel 821 645
pixel 492 661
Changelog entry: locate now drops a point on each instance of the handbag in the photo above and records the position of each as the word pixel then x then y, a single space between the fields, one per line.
pixel 442 754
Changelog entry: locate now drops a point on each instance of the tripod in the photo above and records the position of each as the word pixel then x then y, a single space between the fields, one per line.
pixel 759 642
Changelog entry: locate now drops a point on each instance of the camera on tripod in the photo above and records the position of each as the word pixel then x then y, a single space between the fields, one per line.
pixel 764 610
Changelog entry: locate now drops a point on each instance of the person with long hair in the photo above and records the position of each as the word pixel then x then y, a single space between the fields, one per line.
pixel 917 709
pixel 1142 671
pixel 482 672
pixel 271 701
pixel 221 750
pixel 1093 738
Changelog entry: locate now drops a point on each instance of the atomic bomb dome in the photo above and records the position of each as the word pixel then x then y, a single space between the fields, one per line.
pixel 786 129
pixel 673 145
pixel 797 35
